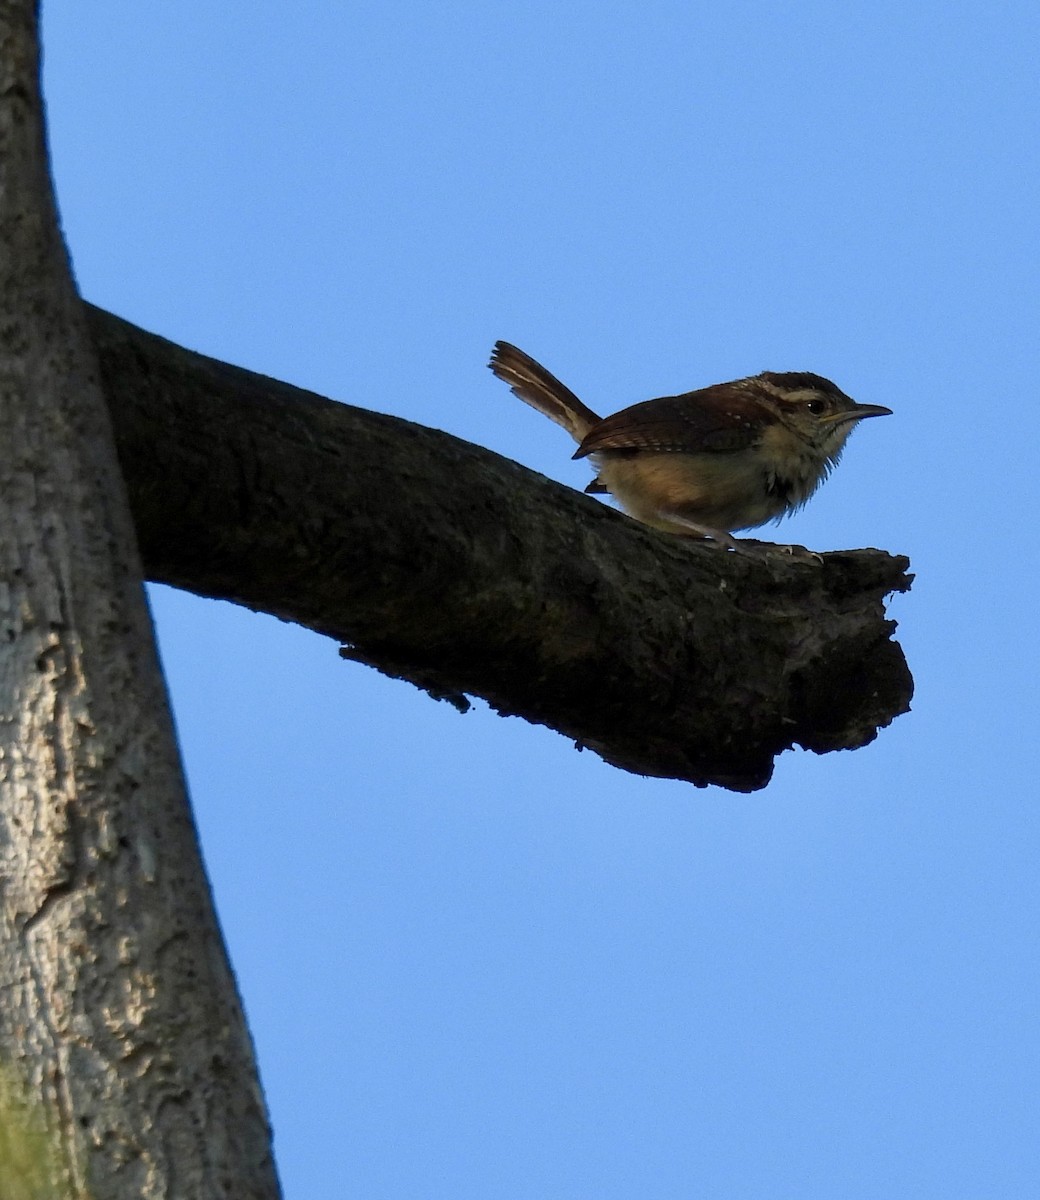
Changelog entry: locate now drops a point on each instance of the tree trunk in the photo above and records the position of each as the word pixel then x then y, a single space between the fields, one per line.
pixel 118 1008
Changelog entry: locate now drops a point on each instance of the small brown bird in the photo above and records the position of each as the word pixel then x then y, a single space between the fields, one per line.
pixel 706 463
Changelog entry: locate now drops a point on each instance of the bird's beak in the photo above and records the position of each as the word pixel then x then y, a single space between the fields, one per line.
pixel 857 412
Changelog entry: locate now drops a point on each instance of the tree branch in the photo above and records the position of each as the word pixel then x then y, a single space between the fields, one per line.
pixel 445 564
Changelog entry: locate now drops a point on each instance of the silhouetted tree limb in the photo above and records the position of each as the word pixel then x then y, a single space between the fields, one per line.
pixel 442 563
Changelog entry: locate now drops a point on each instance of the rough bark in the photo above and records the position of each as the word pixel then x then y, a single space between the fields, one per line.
pixel 442 563
pixel 117 1005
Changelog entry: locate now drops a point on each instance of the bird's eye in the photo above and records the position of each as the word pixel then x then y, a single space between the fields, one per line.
pixel 816 406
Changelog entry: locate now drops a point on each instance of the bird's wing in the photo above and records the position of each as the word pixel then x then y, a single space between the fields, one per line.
pixel 712 420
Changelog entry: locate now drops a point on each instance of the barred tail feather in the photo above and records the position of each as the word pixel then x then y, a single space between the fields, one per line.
pixel 533 384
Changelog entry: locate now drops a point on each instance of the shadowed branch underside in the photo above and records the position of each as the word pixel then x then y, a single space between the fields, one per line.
pixel 442 563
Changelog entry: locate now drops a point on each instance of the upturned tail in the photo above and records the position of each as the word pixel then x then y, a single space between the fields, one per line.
pixel 535 386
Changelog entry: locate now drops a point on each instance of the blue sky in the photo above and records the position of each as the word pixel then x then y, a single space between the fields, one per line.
pixel 477 963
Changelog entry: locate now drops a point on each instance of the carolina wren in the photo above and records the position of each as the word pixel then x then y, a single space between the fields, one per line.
pixel 731 456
